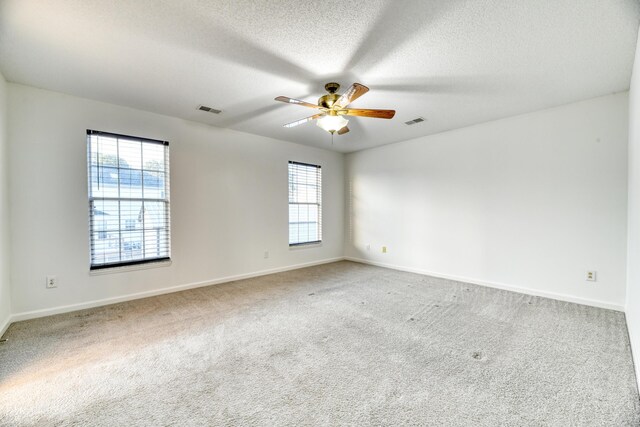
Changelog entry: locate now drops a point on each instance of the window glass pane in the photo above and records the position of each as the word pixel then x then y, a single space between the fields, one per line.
pixel 130 215
pixel 293 213
pixel 312 231
pixel 155 215
pixel 303 213
pixel 155 243
pixel 312 213
pixel 106 247
pixel 105 216
pixel 154 185
pixel 130 154
pixel 131 185
pixel 103 169
pixel 153 155
pixel 104 151
pixel 294 235
pixel 131 245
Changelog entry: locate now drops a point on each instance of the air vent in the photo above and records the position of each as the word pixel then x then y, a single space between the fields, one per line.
pixel 414 121
pixel 209 109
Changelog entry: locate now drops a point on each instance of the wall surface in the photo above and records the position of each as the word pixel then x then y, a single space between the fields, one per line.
pixel 5 285
pixel 633 240
pixel 530 202
pixel 228 201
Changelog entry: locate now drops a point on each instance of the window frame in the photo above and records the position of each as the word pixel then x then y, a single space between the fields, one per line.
pixel 318 204
pixel 166 201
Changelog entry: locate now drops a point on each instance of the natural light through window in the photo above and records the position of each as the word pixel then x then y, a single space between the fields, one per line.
pixel 128 199
pixel 305 194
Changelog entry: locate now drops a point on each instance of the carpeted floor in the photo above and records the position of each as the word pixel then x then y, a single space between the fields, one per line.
pixel 338 344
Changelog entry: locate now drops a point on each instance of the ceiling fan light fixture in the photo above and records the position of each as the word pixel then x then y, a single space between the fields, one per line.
pixel 332 123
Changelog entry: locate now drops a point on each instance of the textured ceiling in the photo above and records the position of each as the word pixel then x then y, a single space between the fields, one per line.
pixel 453 62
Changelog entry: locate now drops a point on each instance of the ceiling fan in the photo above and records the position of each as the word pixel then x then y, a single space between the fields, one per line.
pixel 333 108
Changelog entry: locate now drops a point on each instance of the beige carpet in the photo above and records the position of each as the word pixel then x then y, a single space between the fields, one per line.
pixel 338 344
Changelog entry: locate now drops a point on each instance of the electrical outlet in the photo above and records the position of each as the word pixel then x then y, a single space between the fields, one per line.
pixel 384 249
pixel 52 282
pixel 368 247
pixel 591 276
pixel 266 254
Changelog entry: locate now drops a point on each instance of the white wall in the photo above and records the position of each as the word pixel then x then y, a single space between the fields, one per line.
pixel 532 201
pixel 633 253
pixel 5 287
pixel 228 200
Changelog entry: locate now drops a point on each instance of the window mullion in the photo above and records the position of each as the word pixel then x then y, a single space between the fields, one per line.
pixel 142 211
pixel 119 175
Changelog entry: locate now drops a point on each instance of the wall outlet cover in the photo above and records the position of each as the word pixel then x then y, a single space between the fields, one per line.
pixel 52 282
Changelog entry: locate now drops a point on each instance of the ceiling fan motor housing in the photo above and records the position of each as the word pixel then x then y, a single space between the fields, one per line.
pixel 328 100
pixel 332 87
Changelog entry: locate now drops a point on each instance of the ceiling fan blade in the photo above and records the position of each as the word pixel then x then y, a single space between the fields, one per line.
pixel 303 121
pixel 298 102
pixel 343 130
pixel 378 114
pixel 354 92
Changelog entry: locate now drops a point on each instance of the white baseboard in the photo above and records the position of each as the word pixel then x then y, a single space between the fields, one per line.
pixel 5 325
pixel 26 315
pixel 503 286
pixel 634 341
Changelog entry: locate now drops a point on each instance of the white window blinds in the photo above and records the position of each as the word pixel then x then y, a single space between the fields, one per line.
pixel 305 203
pixel 128 199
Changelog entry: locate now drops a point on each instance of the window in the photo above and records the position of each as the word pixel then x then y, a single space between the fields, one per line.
pixel 305 194
pixel 128 199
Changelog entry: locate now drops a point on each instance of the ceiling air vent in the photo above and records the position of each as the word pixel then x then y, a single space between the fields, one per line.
pixel 414 121
pixel 209 109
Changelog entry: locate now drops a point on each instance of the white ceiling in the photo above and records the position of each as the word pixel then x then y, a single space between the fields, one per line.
pixel 453 62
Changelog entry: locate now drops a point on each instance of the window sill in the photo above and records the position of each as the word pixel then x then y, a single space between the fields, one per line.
pixel 127 268
pixel 301 246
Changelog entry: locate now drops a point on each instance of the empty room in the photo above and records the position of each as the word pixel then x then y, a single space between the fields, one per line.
pixel 319 213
